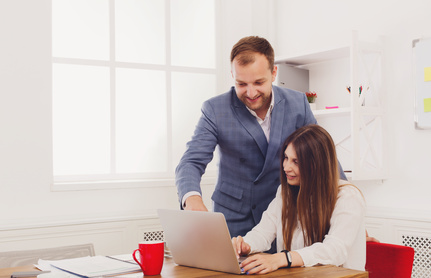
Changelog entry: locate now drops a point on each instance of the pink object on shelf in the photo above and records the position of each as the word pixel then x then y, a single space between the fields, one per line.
pixel 331 107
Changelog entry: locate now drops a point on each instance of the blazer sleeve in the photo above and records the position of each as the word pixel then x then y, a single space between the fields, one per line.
pixel 198 154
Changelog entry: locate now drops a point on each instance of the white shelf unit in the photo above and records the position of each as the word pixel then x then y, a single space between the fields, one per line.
pixel 357 125
pixel 332 112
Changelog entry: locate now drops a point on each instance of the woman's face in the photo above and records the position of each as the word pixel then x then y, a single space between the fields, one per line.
pixel 290 166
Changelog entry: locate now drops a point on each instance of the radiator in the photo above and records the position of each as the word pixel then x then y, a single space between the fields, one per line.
pixel 422 260
pixel 153 236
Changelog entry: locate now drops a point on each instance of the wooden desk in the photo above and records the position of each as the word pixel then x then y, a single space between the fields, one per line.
pixel 170 269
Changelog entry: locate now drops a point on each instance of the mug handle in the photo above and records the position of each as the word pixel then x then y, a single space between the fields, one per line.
pixel 136 260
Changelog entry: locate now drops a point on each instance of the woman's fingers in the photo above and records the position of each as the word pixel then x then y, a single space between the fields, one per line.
pixel 237 244
pixel 259 264
pixel 240 246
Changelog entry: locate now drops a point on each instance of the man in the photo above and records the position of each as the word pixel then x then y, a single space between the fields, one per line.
pixel 249 124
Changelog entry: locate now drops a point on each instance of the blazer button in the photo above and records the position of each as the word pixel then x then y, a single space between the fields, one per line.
pixel 253 207
pixel 242 160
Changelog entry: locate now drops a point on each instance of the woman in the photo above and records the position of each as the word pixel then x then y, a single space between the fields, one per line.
pixel 316 217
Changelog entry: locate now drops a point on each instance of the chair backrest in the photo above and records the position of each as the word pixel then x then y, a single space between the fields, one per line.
pixel 389 260
pixel 28 257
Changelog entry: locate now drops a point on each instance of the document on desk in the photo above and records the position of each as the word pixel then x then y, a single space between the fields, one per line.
pixel 125 258
pixel 96 266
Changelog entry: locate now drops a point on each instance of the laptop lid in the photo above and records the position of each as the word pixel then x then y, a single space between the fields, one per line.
pixel 199 239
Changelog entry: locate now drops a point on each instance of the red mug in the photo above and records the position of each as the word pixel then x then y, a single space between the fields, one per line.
pixel 151 256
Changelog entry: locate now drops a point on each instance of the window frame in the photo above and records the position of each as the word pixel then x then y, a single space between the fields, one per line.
pixel 159 179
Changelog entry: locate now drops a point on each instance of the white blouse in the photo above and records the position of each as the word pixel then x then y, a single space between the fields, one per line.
pixel 344 245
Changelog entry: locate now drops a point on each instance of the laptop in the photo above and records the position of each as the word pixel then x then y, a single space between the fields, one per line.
pixel 199 239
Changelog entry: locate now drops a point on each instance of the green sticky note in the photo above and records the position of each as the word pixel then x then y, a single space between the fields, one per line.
pixel 427 74
pixel 427 105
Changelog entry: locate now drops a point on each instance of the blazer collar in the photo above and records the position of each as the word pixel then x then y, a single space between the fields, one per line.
pixel 255 130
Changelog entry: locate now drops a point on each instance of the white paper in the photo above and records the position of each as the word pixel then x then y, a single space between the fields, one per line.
pixel 45 265
pixel 125 258
pixel 96 266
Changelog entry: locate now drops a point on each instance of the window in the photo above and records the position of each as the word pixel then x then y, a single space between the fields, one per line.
pixel 129 77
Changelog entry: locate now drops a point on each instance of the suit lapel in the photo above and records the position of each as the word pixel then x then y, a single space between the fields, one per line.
pixel 250 123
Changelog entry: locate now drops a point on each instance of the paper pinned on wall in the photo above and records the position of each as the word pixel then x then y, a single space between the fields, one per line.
pixel 422 77
pixel 427 105
pixel 427 73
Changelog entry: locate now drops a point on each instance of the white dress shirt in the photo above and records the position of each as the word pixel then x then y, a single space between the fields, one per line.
pixel 344 245
pixel 265 123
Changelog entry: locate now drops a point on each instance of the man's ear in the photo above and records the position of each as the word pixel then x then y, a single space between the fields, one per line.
pixel 274 73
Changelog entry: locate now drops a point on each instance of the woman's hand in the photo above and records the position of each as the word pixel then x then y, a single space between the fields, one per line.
pixel 240 246
pixel 263 263
pixel 369 238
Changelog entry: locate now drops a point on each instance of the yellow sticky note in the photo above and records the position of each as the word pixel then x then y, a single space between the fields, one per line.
pixel 427 105
pixel 427 73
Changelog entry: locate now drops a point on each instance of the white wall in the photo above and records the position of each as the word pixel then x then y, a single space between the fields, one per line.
pixel 25 141
pixel 31 214
pixel 310 25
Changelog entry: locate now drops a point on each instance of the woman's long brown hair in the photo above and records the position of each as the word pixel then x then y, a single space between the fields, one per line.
pixel 313 201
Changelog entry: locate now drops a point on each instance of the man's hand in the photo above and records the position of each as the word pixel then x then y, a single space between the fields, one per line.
pixel 195 202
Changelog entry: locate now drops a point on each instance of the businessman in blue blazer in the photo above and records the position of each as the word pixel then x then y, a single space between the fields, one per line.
pixel 248 124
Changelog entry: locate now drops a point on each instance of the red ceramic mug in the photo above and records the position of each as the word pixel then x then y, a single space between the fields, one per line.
pixel 151 257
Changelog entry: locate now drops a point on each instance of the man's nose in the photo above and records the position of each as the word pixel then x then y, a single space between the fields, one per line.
pixel 251 92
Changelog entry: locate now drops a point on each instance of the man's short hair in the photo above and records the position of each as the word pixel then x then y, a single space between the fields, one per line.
pixel 244 49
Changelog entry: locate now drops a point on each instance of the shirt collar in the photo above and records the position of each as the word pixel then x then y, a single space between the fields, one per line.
pixel 268 113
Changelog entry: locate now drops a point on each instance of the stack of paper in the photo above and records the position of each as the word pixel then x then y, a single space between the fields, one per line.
pixel 96 266
pixel 125 258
